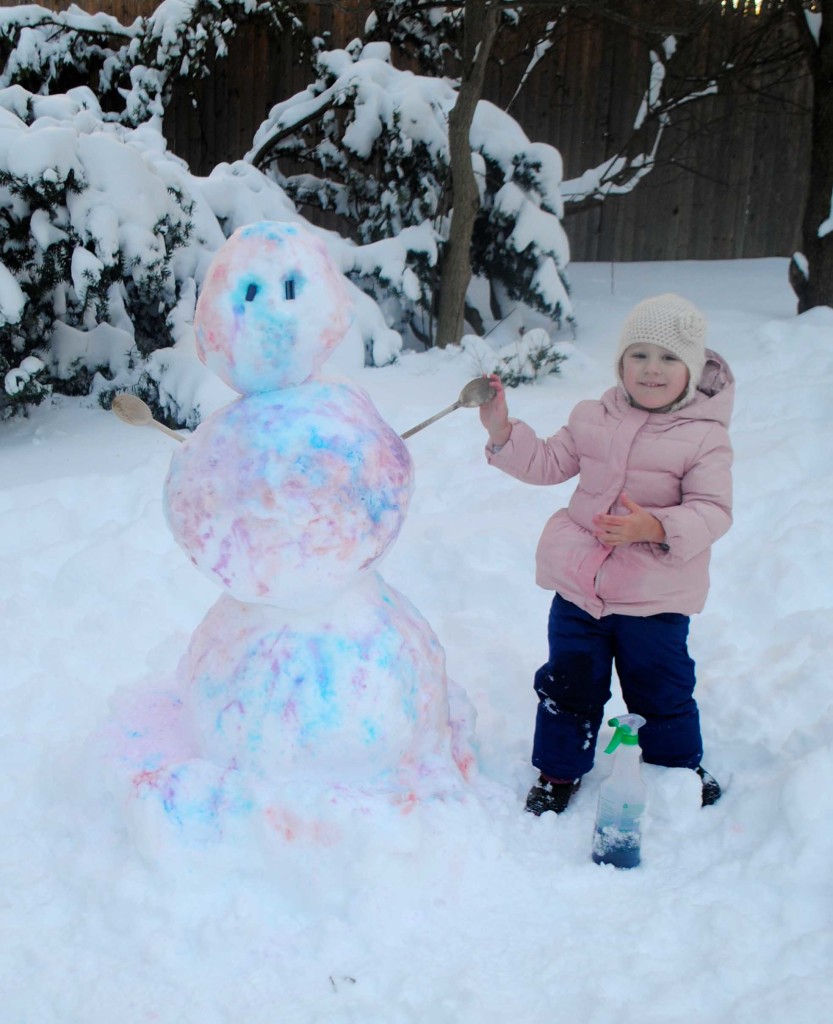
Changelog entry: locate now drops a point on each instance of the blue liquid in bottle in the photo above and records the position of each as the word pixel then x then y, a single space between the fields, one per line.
pixel 613 846
pixel 617 836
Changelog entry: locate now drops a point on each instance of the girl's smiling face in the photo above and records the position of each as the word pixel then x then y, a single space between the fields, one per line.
pixel 654 377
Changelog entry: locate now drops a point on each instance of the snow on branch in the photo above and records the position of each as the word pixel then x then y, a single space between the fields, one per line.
pixel 621 173
pixel 176 40
pixel 132 67
pixel 826 225
pixel 540 48
pixel 370 143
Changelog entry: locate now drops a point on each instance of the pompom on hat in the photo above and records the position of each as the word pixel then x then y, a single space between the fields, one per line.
pixel 673 323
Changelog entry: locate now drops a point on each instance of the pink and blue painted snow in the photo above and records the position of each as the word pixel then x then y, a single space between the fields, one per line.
pixel 286 496
pixel 272 308
pixel 310 682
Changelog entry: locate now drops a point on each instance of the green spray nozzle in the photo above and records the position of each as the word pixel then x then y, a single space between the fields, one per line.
pixel 626 726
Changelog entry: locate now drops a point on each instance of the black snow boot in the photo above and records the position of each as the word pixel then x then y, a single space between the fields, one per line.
pixel 547 795
pixel 711 787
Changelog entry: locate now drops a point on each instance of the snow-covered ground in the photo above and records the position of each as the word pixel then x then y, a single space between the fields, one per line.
pixel 466 910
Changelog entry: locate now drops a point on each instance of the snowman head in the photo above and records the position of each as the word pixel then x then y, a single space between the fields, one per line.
pixel 272 308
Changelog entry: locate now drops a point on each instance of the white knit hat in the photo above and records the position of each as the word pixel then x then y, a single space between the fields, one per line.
pixel 673 323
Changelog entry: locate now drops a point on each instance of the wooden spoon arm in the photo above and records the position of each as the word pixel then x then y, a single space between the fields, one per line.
pixel 167 430
pixel 432 419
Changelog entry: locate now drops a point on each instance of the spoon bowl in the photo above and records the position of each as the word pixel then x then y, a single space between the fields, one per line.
pixel 477 392
pixel 131 409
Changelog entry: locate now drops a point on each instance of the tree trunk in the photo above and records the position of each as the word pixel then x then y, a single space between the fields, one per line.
pixel 480 26
pixel 813 284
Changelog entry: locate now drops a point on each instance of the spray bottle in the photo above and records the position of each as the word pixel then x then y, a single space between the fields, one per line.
pixel 621 798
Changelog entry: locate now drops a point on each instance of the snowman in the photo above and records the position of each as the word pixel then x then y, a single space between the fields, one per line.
pixel 311 681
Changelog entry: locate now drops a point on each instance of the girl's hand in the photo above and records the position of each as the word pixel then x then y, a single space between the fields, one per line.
pixel 494 415
pixel 638 526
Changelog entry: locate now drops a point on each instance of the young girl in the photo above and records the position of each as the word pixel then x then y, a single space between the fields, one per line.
pixel 628 558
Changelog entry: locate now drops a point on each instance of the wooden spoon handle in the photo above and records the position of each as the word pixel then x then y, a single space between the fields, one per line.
pixel 166 430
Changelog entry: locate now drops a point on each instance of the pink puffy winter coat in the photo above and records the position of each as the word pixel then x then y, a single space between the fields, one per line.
pixel 677 465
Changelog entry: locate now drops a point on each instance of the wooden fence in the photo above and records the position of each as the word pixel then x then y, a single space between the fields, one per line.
pixel 735 188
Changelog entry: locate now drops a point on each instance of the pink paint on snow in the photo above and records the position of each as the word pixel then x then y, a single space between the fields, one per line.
pixel 271 309
pixel 287 497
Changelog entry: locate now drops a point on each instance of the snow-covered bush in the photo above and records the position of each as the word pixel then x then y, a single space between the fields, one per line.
pixel 369 143
pixel 519 245
pixel 131 68
pixel 105 236
pixel 104 240
pixel 523 361
pixel 87 232
pixel 426 35
pixel 375 153
pixel 529 359
pixel 431 34
pixel 88 226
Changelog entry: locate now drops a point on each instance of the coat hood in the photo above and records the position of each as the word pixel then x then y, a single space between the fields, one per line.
pixel 713 399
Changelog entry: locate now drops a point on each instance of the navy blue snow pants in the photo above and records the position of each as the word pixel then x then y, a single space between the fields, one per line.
pixel 657 679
